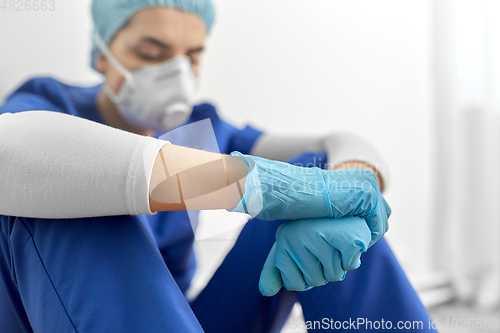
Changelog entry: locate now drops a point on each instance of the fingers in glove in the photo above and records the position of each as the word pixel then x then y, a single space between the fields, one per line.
pixel 378 223
pixel 332 265
pixel 291 274
pixel 311 268
pixel 350 260
pixel 270 281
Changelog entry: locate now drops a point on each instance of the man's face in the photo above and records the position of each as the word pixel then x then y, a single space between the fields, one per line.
pixel 151 36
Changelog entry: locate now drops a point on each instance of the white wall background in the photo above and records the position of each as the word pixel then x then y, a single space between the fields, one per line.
pixel 288 66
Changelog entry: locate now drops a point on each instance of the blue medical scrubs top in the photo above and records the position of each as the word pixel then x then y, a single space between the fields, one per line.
pixel 172 230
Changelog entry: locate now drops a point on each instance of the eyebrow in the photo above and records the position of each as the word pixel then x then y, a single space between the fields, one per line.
pixel 166 46
pixel 156 42
pixel 197 49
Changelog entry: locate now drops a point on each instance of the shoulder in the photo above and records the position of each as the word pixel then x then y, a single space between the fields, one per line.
pixel 50 87
pixel 43 93
pixel 40 88
pixel 31 95
pixel 40 85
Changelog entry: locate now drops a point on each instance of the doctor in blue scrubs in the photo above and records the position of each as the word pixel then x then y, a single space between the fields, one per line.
pixel 129 273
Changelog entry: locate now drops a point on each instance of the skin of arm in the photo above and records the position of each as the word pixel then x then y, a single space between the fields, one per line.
pixel 363 165
pixel 190 179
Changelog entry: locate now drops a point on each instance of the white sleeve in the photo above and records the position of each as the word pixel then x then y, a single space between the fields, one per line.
pixel 340 147
pixel 283 147
pixel 54 165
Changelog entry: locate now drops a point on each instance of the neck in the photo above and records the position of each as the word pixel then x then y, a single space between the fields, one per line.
pixel 111 117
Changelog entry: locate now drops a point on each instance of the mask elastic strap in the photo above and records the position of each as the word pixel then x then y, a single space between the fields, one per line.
pixel 110 93
pixel 111 58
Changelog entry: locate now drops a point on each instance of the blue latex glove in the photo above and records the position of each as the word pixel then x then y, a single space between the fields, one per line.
pixel 277 190
pixel 310 253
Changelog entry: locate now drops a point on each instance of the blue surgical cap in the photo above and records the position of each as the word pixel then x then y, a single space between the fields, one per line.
pixel 110 15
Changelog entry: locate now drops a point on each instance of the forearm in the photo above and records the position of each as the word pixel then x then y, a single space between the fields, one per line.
pixel 190 179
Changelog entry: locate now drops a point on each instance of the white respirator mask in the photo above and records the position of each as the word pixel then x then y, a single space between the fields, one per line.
pixel 157 97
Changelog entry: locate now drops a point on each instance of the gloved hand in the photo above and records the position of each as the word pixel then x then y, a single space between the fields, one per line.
pixel 309 253
pixel 277 190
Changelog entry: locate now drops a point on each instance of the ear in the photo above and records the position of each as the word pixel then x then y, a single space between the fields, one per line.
pixel 101 64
